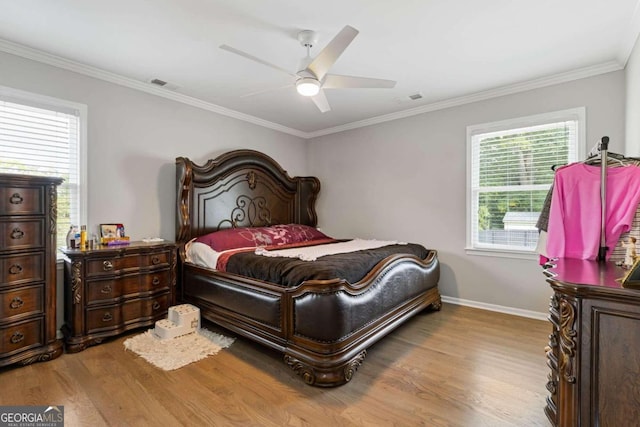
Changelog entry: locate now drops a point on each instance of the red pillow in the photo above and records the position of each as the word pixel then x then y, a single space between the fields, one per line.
pixel 253 237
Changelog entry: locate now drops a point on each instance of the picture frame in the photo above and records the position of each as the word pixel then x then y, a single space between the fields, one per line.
pixel 632 278
pixel 111 231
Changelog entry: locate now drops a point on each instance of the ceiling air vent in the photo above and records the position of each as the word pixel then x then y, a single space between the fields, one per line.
pixel 158 82
pixel 415 96
pixel 162 84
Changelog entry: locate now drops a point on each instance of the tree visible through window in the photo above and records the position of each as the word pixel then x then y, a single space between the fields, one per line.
pixel 511 173
pixel 43 138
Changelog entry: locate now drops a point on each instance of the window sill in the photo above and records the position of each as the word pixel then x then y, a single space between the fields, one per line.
pixel 503 253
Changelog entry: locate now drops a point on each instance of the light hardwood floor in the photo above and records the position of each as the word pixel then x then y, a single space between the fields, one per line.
pixel 457 367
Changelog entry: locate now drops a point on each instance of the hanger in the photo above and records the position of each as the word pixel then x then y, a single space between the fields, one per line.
pixel 613 159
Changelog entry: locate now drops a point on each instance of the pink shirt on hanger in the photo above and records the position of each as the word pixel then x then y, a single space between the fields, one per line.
pixel 574 217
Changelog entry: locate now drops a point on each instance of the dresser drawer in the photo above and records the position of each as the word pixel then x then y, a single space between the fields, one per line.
pixel 21 302
pixel 21 201
pixel 24 234
pixel 21 336
pixel 115 316
pixel 112 265
pixel 159 259
pixel 101 290
pixel 127 263
pixel 21 269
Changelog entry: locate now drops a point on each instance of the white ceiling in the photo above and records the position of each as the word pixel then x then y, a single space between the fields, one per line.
pixel 449 51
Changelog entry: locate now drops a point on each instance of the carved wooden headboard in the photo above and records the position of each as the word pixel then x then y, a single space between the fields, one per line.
pixel 242 188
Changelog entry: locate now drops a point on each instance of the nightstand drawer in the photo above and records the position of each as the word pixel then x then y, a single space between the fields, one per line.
pixel 21 234
pixel 111 289
pixel 21 302
pixel 115 316
pixel 21 201
pixel 112 265
pixel 159 259
pixel 21 336
pixel 127 263
pixel 21 269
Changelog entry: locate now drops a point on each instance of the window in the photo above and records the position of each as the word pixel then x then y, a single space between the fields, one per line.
pixel 45 136
pixel 509 175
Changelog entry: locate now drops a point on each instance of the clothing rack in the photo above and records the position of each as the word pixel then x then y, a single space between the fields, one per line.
pixel 604 148
pixel 599 153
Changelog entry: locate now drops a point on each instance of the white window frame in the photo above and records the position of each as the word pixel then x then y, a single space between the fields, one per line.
pixel 578 114
pixel 55 104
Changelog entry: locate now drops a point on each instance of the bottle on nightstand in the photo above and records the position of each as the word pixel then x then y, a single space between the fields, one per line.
pixel 71 237
pixel 83 237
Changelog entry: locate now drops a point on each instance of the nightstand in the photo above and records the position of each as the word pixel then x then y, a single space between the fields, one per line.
pixel 113 289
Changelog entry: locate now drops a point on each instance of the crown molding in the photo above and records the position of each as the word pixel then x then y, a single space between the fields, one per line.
pixel 56 61
pixel 568 76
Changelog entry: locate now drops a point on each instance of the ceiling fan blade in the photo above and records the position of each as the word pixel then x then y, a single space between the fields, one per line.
pixel 271 89
pixel 321 102
pixel 334 81
pixel 328 56
pixel 254 58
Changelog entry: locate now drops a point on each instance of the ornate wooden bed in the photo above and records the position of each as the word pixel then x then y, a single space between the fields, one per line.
pixel 323 327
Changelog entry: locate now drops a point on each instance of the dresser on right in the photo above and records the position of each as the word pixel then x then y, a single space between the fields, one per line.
pixel 594 346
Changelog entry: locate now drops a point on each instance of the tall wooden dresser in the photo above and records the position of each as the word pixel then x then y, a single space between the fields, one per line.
pixel 594 347
pixel 28 214
pixel 113 289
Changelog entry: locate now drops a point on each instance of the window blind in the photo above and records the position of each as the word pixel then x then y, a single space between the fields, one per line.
pixel 511 173
pixel 39 140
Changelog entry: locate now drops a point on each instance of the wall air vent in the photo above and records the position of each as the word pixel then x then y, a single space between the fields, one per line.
pixel 415 96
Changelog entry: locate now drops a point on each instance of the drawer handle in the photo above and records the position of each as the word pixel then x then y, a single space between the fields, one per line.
pixel 15 269
pixel 156 305
pixel 155 260
pixel 107 317
pixel 17 233
pixel 16 199
pixel 155 281
pixel 107 265
pixel 16 303
pixel 106 289
pixel 17 337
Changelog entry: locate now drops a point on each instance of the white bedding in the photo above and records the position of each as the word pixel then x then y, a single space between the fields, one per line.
pixel 311 253
pixel 201 254
pixel 204 256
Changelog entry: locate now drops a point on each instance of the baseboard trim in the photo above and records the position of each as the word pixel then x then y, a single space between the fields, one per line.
pixel 498 308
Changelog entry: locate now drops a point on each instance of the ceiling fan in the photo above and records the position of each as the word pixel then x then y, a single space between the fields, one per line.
pixel 313 77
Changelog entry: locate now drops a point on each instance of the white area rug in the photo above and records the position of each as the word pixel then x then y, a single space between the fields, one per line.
pixel 170 354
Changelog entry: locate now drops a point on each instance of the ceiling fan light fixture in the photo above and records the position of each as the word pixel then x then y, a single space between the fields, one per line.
pixel 308 86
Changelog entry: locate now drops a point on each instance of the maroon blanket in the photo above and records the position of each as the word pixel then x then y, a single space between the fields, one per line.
pixel 289 272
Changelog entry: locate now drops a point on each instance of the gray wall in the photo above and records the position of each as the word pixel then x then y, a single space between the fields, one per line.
pixel 632 73
pixel 406 180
